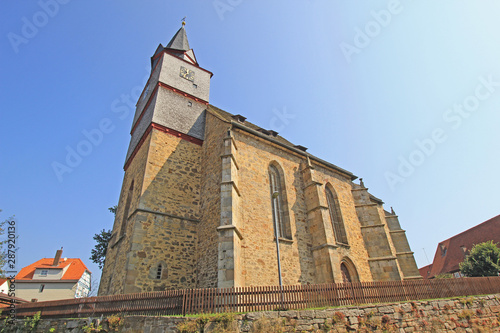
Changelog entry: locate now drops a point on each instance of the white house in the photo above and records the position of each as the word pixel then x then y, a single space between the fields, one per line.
pixel 53 279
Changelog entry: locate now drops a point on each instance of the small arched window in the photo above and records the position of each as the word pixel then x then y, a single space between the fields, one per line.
pixel 127 208
pixel 346 276
pixel 159 271
pixel 348 271
pixel 336 216
pixel 278 202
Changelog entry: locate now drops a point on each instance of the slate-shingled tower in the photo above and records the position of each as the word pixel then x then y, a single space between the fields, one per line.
pixel 204 189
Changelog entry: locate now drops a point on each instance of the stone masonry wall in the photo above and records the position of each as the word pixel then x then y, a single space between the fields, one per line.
pixel 210 205
pixel 172 177
pixel 113 274
pixel 356 251
pixel 164 240
pixel 381 251
pixel 259 261
pixel 163 213
pixel 466 314
pixel 164 232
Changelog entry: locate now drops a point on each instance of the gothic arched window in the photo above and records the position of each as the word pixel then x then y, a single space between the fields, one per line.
pixel 127 207
pixel 336 216
pixel 278 203
pixel 348 271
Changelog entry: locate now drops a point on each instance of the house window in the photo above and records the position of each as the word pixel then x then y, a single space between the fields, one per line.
pixel 44 272
pixel 42 287
pixel 443 250
pixel 159 270
pixel 278 203
pixel 336 216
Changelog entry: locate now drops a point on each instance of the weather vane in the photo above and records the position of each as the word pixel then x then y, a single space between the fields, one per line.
pixel 184 21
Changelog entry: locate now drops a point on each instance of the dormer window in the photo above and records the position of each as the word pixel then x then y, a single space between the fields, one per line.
pixel 264 131
pixel 300 147
pixel 239 118
pixel 44 272
pixel 443 250
pixel 273 133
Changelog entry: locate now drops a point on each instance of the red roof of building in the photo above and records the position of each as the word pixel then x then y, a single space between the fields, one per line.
pixel 451 252
pixel 74 272
pixel 2 281
pixel 425 271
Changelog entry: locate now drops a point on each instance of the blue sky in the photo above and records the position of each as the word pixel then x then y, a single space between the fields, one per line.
pixel 404 94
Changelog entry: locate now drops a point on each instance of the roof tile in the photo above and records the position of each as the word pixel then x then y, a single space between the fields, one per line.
pixel 75 270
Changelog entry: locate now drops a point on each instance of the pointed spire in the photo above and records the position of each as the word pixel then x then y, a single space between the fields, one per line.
pixel 308 163
pixel 179 41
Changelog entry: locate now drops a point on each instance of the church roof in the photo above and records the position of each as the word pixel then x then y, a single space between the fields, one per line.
pixel 179 41
pixel 270 135
pixel 230 117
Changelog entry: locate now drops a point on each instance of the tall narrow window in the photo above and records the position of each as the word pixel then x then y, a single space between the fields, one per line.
pixel 127 207
pixel 278 201
pixel 159 270
pixel 336 216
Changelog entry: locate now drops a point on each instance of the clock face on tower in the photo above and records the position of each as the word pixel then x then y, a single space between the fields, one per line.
pixel 187 74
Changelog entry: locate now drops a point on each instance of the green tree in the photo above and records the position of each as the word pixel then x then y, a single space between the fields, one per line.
pixel 113 209
pixel 482 260
pixel 98 253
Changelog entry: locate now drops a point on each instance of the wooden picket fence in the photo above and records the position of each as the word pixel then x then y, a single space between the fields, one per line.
pixel 245 299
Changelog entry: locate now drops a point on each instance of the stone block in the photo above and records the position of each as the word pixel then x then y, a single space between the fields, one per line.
pixel 288 314
pixel 386 309
pixel 322 314
pixel 308 314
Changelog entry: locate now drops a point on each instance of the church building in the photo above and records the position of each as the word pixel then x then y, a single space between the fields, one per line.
pixel 211 200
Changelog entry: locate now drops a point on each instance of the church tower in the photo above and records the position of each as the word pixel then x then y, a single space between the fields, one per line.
pixel 158 209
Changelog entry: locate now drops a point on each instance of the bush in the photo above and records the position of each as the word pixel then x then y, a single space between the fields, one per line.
pixel 483 260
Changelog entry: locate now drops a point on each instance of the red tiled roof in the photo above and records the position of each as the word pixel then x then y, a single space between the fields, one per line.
pixel 75 270
pixel 451 252
pixel 425 271
pixel 2 281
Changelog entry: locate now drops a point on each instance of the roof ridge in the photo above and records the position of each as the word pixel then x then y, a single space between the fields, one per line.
pixel 278 139
pixel 471 228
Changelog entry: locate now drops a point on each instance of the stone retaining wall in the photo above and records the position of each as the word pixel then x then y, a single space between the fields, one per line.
pixel 465 314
